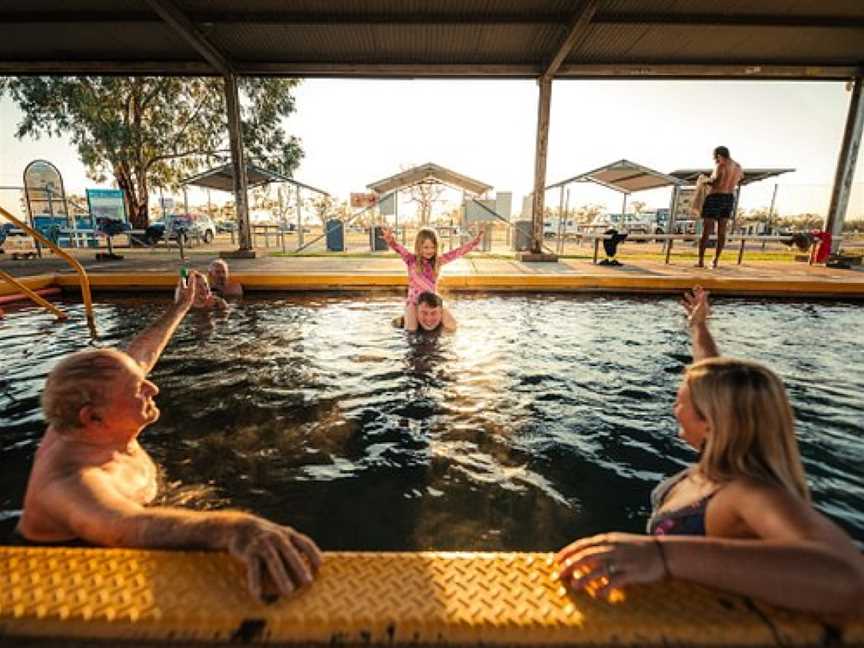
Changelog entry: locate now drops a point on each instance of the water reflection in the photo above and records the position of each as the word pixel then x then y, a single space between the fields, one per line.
pixel 541 419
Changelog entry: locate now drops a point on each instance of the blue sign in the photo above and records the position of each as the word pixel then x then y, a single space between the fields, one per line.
pixel 107 203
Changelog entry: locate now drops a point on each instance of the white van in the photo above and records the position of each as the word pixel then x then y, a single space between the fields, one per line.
pixel 553 226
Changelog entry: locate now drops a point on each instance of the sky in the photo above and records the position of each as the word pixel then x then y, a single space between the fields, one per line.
pixel 355 132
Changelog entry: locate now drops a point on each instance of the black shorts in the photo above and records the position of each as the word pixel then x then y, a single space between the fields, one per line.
pixel 718 205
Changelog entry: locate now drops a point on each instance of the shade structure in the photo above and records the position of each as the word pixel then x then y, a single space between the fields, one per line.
pixel 623 176
pixel 750 175
pixel 222 178
pixel 427 172
pixel 394 38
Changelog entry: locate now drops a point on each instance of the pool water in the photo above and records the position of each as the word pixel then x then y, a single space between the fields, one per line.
pixel 544 418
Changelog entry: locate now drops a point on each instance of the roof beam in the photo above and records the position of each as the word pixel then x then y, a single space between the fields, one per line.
pixel 297 18
pixel 293 18
pixel 579 26
pixel 110 65
pixel 694 70
pixel 180 23
pixel 729 20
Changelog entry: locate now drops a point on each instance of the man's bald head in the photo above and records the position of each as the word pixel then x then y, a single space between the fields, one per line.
pixel 80 379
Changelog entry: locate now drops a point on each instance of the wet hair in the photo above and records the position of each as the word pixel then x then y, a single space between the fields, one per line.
pixel 426 234
pixel 752 429
pixel 77 380
pixel 430 299
pixel 722 151
pixel 218 262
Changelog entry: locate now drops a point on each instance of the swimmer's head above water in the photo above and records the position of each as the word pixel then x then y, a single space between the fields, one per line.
pixel 430 314
pixel 430 311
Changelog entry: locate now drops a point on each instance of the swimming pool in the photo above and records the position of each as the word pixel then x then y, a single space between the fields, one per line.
pixel 544 418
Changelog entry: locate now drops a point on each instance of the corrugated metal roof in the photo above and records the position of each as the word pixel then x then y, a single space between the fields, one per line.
pixel 510 38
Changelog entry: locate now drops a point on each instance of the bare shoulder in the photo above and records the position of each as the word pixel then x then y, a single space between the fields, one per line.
pixel 773 513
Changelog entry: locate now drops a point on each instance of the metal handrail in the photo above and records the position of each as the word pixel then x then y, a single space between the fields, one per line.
pixel 38 299
pixel 82 273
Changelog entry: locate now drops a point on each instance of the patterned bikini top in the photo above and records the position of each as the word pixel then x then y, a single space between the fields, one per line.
pixel 688 520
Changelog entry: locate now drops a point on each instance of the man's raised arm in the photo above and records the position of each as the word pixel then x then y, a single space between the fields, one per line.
pixel 698 311
pixel 148 345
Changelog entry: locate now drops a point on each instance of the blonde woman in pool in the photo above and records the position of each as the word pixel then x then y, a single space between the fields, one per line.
pixel 425 263
pixel 740 518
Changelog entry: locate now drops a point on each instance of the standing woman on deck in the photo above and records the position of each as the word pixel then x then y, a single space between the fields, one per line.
pixel 425 263
pixel 740 518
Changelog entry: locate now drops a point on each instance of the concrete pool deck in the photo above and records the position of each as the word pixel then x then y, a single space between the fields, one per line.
pixel 157 270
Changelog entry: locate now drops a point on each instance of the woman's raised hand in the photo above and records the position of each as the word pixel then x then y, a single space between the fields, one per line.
pixel 696 306
pixel 388 235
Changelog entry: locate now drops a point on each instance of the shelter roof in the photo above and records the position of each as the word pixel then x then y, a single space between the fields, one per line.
pixel 459 38
pixel 222 178
pixel 750 175
pixel 425 172
pixel 624 176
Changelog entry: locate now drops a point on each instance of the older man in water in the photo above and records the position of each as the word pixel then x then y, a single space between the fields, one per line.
pixel 220 280
pixel 91 481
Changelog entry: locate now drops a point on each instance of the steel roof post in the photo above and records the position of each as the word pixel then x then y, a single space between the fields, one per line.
pixel 846 166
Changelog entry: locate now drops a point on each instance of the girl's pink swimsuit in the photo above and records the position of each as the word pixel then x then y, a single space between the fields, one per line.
pixel 425 280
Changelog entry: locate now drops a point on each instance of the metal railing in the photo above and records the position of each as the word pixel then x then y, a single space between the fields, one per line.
pixel 669 239
pixel 38 299
pixel 84 281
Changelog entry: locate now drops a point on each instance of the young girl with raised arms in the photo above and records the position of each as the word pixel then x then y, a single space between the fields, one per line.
pixel 425 263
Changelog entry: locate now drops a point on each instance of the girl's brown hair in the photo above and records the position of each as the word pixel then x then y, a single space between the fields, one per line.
pixel 423 235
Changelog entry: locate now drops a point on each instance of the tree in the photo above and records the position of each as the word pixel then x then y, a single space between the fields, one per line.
pixel 754 216
pixel 276 199
pixel 152 131
pixel 807 221
pixel 853 226
pixel 586 214
pixel 638 206
pixel 322 205
pixel 425 193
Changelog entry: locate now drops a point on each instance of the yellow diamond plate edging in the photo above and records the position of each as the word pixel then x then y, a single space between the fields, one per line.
pixel 421 598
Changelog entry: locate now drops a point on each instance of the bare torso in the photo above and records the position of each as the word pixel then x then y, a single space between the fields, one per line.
pixel 61 462
pixel 727 174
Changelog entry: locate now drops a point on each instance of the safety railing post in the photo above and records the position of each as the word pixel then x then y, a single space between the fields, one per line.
pixel 38 299
pixel 82 274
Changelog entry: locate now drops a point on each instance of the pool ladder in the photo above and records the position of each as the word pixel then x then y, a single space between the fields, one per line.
pixel 84 281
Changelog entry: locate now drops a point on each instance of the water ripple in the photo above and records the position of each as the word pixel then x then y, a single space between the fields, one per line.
pixel 544 418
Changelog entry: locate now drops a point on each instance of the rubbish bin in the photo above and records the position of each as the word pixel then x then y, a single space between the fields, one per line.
pixel 522 235
pixel 335 235
pixel 486 243
pixel 376 240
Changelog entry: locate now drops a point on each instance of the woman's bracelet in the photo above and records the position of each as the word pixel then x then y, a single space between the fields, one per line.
pixel 662 552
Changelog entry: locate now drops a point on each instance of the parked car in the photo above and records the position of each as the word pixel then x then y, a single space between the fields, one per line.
pixel 190 225
pixel 627 223
pixel 553 226
pixel 185 225
pixel 226 226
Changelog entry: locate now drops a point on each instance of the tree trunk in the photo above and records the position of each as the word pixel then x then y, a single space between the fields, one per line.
pixel 136 207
